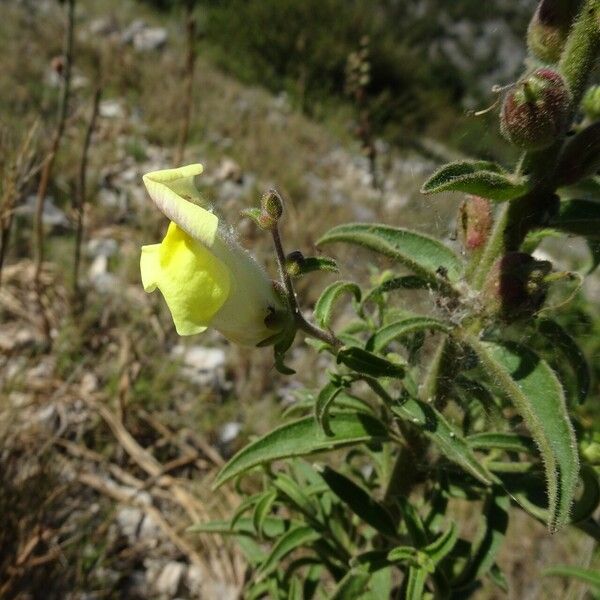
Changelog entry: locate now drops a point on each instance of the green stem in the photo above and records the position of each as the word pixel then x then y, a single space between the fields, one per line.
pixel 302 324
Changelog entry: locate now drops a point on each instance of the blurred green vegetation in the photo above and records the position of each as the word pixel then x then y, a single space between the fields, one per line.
pixel 302 48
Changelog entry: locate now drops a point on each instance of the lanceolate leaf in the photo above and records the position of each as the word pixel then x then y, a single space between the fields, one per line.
pixel 294 538
pixel 449 441
pixel 511 442
pixel 324 400
pixel 538 396
pixel 402 328
pixel 423 255
pixel 571 352
pixel 261 510
pixel 272 527
pixel 578 217
pixel 367 363
pixel 359 501
pixel 417 577
pixel 328 299
pixel 488 540
pixel 589 576
pixel 441 547
pixel 407 282
pixel 301 438
pixel 351 586
pixel 481 178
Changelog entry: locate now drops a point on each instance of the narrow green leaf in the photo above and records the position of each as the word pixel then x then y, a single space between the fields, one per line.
pixel 366 363
pixel 416 583
pixel 317 263
pixel 243 508
pixel 489 538
pixel 359 501
pixel 511 442
pixel 261 511
pixel 272 527
pixel 578 217
pixel 402 328
pixel 481 178
pixel 449 441
pixel 301 438
pixel 589 576
pixel 295 591
pixel 325 304
pixel 498 578
pixel 402 554
pixel 571 352
pixel 423 255
pixel 351 586
pixel 536 392
pixel 326 397
pixel 406 282
pixel 287 543
pixel 290 489
pixel 441 547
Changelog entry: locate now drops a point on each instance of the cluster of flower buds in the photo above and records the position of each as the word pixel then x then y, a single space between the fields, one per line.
pixel 516 286
pixel 536 111
pixel 549 28
pixel 270 211
pixel 475 222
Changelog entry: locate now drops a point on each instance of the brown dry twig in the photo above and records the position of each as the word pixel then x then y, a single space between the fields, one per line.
pixel 49 164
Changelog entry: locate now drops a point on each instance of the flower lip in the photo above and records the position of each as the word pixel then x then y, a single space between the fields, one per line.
pixel 175 194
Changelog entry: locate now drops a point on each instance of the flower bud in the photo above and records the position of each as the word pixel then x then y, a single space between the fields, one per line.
pixel 475 222
pixel 272 204
pixel 516 286
pixel 536 111
pixel 294 262
pixel 591 103
pixel 549 28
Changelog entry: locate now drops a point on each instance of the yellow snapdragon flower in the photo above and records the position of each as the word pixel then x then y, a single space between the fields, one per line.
pixel 206 278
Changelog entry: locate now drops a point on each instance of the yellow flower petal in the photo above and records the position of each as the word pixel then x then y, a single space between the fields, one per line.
pixel 175 194
pixel 194 282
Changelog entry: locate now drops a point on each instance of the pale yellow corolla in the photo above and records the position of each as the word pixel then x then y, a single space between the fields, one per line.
pixel 206 278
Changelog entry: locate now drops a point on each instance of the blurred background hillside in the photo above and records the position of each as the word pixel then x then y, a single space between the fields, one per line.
pixel 111 427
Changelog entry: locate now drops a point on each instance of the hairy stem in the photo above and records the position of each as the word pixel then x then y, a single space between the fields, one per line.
pixel 302 324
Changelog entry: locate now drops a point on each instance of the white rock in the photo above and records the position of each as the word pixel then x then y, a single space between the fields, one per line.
pixel 102 281
pixel 229 170
pixel 229 432
pixel 52 216
pixel 111 109
pixel 131 30
pixel 170 579
pixel 202 365
pixel 151 38
pixel 102 247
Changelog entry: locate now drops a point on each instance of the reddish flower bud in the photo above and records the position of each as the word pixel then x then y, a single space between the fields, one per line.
pixel 536 111
pixel 549 28
pixel 516 286
pixel 475 222
pixel 57 64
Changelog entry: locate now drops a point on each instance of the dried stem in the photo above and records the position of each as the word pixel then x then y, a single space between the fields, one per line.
pixel 81 189
pixel 49 162
pixel 189 84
